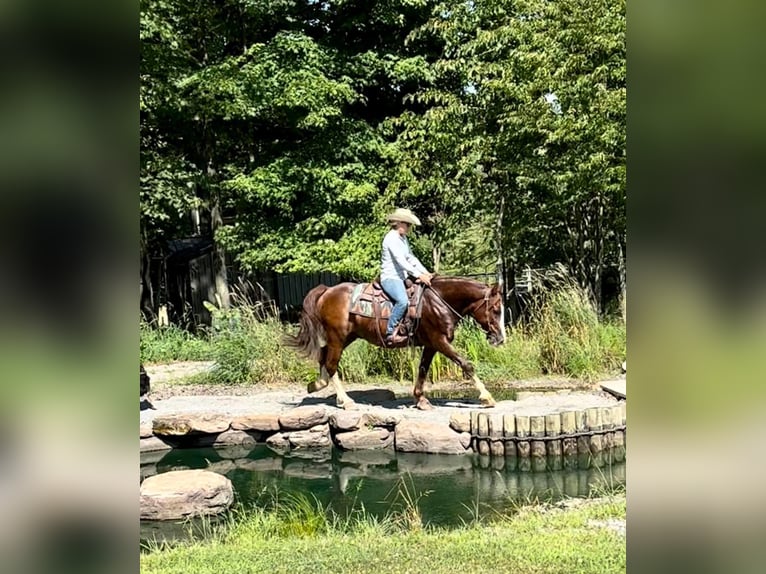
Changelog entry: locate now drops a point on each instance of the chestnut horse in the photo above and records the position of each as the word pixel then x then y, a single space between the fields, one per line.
pixel 327 327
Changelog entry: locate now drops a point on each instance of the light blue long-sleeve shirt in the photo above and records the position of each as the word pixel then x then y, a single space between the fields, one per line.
pixel 397 260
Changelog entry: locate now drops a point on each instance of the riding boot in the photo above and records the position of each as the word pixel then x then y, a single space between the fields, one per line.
pixel 394 339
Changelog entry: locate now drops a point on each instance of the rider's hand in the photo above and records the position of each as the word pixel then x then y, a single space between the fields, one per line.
pixel 425 278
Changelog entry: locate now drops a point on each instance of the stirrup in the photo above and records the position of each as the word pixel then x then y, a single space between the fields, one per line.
pixel 395 339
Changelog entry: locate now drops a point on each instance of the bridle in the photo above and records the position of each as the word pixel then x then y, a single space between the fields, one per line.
pixel 485 301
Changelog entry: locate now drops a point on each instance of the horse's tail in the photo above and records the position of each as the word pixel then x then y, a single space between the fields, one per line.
pixel 311 335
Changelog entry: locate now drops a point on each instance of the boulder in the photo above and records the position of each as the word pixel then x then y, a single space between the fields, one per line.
pixel 354 420
pixel 460 422
pixel 256 422
pixel 422 436
pixel 302 418
pixel 236 438
pixel 346 420
pixel 151 444
pixel 381 418
pixel 145 429
pixel 316 437
pixel 193 423
pixel 365 439
pixel 184 493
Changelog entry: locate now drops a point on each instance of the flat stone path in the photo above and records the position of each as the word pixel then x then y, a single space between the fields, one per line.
pixel 618 388
pixel 270 402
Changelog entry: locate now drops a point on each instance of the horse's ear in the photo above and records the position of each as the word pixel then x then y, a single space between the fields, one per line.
pixel 495 289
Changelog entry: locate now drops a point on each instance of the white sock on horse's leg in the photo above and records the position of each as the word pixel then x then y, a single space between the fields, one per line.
pixel 321 383
pixel 341 398
pixel 484 395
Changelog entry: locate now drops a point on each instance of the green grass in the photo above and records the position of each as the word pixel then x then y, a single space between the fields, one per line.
pixel 171 343
pixel 305 539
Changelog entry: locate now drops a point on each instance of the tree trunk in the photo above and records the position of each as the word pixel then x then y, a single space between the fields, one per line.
pixel 146 300
pixel 219 256
pixel 623 279
pixel 436 253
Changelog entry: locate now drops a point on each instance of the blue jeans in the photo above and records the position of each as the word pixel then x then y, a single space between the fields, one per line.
pixel 394 288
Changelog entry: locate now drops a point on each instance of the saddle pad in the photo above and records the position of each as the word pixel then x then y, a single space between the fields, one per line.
pixel 361 302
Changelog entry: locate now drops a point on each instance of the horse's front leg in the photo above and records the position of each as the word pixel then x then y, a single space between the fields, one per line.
pixel 421 401
pixel 446 349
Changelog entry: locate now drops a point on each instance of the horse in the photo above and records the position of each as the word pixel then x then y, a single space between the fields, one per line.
pixel 327 327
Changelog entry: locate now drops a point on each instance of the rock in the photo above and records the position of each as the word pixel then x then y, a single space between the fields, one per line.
pixel 302 418
pixel 381 418
pixel 365 439
pixel 152 443
pixel 257 422
pixel 192 423
pixel 182 493
pixel 460 422
pixel 421 436
pixel 145 429
pixel 354 420
pixel 236 438
pixel 346 420
pixel 278 442
pixel 316 437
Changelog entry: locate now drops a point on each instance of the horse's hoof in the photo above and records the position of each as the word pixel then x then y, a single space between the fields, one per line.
pixel 316 386
pixel 348 405
pixel 487 402
pixel 424 404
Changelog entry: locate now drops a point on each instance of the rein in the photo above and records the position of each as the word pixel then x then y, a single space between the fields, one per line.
pixel 486 299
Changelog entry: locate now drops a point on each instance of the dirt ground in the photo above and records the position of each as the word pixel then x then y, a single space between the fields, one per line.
pixel 169 380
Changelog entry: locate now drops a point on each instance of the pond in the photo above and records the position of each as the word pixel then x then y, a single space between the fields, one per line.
pixel 450 489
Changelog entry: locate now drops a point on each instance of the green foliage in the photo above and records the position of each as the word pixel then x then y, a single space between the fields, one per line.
pixel 171 343
pixel 572 338
pixel 248 348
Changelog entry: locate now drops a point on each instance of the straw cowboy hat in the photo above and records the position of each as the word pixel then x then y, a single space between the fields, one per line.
pixel 404 215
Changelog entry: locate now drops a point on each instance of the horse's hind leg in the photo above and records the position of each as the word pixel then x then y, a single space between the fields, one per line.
pixel 324 378
pixel 334 350
pixel 421 402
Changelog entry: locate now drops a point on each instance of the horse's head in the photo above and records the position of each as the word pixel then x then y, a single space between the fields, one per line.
pixel 490 315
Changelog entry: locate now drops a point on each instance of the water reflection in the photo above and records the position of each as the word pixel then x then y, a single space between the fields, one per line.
pixel 451 489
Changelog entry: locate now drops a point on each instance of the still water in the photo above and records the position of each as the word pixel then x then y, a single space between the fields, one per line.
pixel 450 489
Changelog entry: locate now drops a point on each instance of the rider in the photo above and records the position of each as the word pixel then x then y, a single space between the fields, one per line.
pixel 396 263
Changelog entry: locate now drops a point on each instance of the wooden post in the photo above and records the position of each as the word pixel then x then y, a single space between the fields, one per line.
pixel 483 422
pixel 509 432
pixel 475 431
pixel 583 442
pixel 569 445
pixel 571 483
pixel 594 422
pixel 537 448
pixel 496 446
pixel 553 428
pixel 523 446
pixel 607 423
pixel 619 446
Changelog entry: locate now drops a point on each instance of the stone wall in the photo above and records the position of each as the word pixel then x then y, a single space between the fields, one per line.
pixel 536 439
